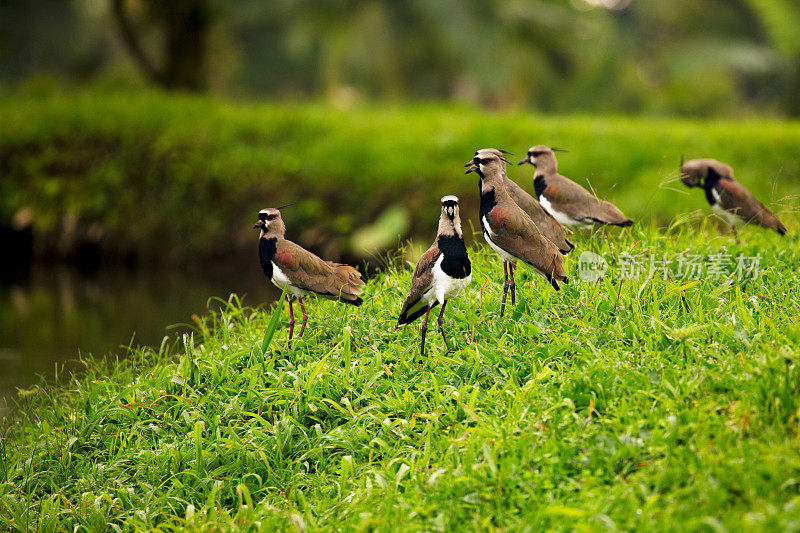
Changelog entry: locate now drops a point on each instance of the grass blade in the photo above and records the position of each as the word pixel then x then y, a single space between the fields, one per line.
pixel 273 323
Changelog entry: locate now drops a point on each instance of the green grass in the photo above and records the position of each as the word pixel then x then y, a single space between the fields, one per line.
pixel 647 404
pixel 173 176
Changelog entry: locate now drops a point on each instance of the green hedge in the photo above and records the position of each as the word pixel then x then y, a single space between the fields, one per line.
pixel 170 175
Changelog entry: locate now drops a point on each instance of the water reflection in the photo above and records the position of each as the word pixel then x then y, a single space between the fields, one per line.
pixel 57 313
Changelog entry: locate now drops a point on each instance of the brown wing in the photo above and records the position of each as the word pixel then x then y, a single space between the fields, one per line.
pixel 736 198
pixel 309 272
pixel 421 281
pixel 547 224
pixel 576 202
pixel 515 232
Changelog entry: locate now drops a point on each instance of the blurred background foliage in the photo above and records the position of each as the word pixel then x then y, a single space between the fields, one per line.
pixel 179 176
pixel 686 57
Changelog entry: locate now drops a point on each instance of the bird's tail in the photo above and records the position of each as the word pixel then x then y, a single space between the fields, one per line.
pixel 350 284
pixel 557 273
pixel 412 311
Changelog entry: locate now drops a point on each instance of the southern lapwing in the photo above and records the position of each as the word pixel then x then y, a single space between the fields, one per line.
pixel 289 265
pixel 509 230
pixel 728 198
pixel 571 204
pixel 441 274
pixel 547 224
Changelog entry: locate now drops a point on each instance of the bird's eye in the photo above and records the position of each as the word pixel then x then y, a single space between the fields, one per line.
pixel 271 217
pixel 479 161
pixel 537 154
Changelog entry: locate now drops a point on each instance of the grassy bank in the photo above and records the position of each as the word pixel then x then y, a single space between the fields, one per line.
pixel 169 176
pixel 650 404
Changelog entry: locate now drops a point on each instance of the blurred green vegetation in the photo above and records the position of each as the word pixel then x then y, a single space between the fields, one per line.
pixel 168 176
pixel 686 57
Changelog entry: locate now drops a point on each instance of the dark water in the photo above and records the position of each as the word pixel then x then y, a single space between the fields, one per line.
pixel 57 313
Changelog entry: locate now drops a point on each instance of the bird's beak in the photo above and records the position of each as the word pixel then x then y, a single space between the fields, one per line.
pixel 259 224
pixel 526 160
pixel 472 167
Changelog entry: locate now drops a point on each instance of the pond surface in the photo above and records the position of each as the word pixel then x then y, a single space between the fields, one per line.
pixel 57 313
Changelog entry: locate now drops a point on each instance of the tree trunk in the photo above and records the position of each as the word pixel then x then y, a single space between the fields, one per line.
pixel 185 25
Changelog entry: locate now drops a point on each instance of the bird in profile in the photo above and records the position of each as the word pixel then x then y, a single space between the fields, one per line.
pixel 568 202
pixel 729 199
pixel 547 224
pixel 509 230
pixel 441 274
pixel 290 266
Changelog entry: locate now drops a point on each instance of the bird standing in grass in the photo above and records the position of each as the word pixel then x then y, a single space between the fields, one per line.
pixel 289 265
pixel 509 230
pixel 441 274
pixel 547 224
pixel 571 204
pixel 729 199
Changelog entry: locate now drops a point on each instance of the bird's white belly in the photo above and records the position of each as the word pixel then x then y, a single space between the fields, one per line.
pixel 445 287
pixel 280 280
pixel 562 218
pixel 487 234
pixel 731 218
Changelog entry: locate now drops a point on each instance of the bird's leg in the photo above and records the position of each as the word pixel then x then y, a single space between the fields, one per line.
pixel 511 266
pixel 305 317
pixel 424 330
pixel 441 328
pixel 291 322
pixel 735 234
pixel 505 288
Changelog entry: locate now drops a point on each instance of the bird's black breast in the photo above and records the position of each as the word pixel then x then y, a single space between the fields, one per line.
pixel 711 183
pixel 539 186
pixel 455 261
pixel 267 248
pixel 487 204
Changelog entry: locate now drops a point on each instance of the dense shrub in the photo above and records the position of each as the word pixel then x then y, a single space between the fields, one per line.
pixel 167 176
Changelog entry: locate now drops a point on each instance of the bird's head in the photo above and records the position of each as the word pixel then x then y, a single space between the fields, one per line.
pixel 450 221
pixel 450 206
pixel 485 152
pixel 542 157
pixel 269 220
pixel 487 162
pixel 695 171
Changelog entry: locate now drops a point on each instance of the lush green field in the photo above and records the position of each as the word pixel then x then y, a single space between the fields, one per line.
pixel 643 404
pixel 169 176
